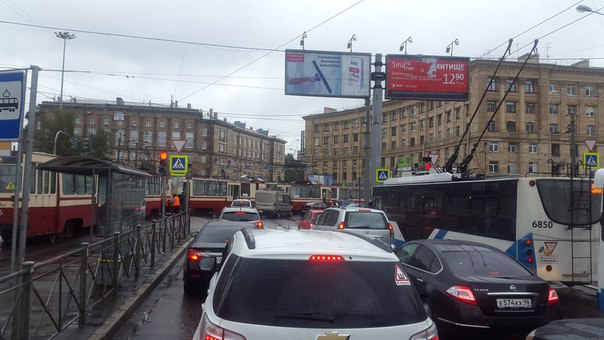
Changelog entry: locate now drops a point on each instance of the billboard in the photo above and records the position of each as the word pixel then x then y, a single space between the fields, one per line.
pixel 327 74
pixel 427 77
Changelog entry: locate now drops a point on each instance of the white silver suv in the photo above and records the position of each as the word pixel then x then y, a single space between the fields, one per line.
pixel 299 284
pixel 366 221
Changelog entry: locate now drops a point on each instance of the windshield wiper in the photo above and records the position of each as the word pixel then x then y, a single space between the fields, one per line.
pixel 317 316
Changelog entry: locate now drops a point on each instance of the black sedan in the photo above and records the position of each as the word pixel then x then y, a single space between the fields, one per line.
pixel 210 242
pixel 477 290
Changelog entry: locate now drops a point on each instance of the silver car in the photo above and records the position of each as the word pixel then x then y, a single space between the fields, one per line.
pixel 367 221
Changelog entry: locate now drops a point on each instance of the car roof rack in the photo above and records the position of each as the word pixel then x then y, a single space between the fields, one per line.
pixel 249 238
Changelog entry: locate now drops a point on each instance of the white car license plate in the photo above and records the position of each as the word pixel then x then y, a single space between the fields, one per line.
pixel 514 303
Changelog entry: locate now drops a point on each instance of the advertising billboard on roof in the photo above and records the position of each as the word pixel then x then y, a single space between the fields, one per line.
pixel 327 74
pixel 427 77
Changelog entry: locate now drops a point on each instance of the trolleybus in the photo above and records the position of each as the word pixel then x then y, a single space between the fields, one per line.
pixel 548 224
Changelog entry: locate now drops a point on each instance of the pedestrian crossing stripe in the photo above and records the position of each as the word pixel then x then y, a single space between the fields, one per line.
pixel 381 175
pixel 591 160
pixel 178 164
pixel 10 186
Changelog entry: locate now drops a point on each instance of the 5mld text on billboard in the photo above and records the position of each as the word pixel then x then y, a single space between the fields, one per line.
pixel 427 77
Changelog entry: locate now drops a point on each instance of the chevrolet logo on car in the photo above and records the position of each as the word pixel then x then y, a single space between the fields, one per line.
pixel 332 336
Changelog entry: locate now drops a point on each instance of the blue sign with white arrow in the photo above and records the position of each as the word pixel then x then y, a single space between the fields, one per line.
pixel 12 102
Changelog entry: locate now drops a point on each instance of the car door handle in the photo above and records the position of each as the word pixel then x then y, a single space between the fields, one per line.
pixel 419 280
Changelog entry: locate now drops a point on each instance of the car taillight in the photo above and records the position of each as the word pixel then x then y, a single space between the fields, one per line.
pixel 259 225
pixel 463 294
pixel 552 296
pixel 428 334
pixel 341 225
pixel 391 228
pixel 195 255
pixel 326 258
pixel 210 331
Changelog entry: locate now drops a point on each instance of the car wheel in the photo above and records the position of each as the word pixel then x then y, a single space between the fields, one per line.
pixel 428 308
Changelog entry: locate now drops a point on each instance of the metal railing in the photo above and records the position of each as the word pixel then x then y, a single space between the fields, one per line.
pixel 45 298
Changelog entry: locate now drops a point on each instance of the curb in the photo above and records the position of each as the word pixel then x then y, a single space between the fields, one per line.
pixel 116 320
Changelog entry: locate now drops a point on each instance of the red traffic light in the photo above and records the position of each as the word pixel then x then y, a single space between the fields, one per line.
pixel 427 166
pixel 163 155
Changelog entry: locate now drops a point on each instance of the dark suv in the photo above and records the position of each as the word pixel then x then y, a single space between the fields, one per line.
pixel 296 284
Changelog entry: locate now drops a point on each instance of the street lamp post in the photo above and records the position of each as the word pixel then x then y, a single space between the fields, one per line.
pixel 65 36
pixel 404 45
pixel 349 45
pixel 450 46
pixel 583 8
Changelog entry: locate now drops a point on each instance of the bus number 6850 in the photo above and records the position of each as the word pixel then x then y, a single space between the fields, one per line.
pixel 543 224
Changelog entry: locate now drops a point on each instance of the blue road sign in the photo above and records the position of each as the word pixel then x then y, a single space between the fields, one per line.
pixel 382 174
pixel 591 160
pixel 12 102
pixel 179 165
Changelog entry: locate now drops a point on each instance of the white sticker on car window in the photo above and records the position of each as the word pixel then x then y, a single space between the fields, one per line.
pixel 400 278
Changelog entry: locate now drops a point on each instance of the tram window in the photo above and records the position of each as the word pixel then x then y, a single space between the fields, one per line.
pixel 46 182
pixel 53 183
pixel 67 182
pixel 32 183
pixel 245 190
pixel 40 181
pixel 88 180
pixel 80 185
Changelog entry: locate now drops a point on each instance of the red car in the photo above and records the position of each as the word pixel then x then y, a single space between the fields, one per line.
pixel 309 219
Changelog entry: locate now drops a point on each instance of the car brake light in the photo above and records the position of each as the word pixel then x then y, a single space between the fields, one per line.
pixel 428 334
pixel 210 331
pixel 552 296
pixel 195 255
pixel 463 294
pixel 390 227
pixel 240 212
pixel 341 225
pixel 260 225
pixel 363 210
pixel 326 258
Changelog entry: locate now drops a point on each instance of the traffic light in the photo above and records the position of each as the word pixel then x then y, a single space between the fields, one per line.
pixel 163 159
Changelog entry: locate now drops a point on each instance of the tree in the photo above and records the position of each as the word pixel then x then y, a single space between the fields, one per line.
pixel 294 169
pixel 44 139
pixel 100 145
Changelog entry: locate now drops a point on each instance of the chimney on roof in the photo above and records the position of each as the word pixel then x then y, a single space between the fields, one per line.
pixel 176 103
pixel 189 106
pixel 119 101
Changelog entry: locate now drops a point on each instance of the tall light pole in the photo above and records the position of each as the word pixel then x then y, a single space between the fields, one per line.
pixel 349 45
pixel 450 46
pixel 404 45
pixel 65 36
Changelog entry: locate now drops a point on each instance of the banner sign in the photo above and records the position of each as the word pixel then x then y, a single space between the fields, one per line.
pixel 327 74
pixel 427 77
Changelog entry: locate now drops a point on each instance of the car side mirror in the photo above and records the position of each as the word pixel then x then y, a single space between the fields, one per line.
pixel 208 264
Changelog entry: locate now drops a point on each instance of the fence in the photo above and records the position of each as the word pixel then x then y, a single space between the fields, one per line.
pixel 45 298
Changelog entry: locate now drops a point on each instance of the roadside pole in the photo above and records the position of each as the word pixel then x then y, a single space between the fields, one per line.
pixel 376 123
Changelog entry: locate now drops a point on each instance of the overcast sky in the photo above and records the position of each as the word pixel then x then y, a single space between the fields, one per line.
pixel 229 55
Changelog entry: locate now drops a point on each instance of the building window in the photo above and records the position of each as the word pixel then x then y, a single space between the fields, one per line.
pixel 189 125
pixel 529 86
pixel 493 166
pixel 162 138
pixel 336 151
pixel 439 120
pixel 492 126
pixel 148 138
pixel 393 131
pixel 384 133
pixel 491 106
pixel 385 117
pixel 554 128
pixel 510 85
pixel 346 124
pixel 336 126
pixel 532 167
pixel 571 89
pixel 555 149
pixel 316 141
pixel 336 139
pixel 105 121
pixel 572 109
pixel 356 123
pixel 512 147
pixel 529 107
pixel 591 130
pixel 189 143
pixel 510 126
pixel 493 146
pixel 553 88
pixel 554 109
pixel 512 168
pixel 326 140
pixel 175 124
pixel 457 112
pixel 492 84
pixel 326 127
pixel 412 141
pixel 412 127
pixel 162 123
pixel 355 137
pixel 590 90
pixel 530 127
pixel 393 145
pixel 345 138
pixel 393 116
pixel 532 148
pixel 510 107
pixel 590 111
pixel 148 123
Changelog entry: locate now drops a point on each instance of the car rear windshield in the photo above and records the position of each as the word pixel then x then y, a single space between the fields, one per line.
pixel 315 294
pixel 483 263
pixel 239 216
pixel 216 234
pixel 366 220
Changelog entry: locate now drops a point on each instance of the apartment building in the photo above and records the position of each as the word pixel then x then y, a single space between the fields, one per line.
pixel 216 148
pixel 531 130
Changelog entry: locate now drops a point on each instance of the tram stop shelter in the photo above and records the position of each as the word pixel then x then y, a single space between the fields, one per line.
pixel 117 194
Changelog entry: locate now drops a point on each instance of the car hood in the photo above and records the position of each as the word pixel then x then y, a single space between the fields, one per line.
pixel 572 329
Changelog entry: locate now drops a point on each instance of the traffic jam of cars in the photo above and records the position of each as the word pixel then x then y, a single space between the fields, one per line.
pixel 339 275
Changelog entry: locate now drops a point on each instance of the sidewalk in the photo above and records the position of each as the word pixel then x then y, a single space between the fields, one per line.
pixel 106 320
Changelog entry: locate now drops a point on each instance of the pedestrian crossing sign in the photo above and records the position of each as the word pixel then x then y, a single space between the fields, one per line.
pixel 591 160
pixel 381 175
pixel 179 165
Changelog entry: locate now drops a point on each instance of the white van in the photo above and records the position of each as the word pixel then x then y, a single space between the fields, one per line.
pixel 273 203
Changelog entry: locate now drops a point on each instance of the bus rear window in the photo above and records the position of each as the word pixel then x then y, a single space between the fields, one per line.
pixel 569 202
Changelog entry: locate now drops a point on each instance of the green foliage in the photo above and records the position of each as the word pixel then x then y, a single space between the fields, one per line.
pixel 294 169
pixel 52 123
pixel 100 145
